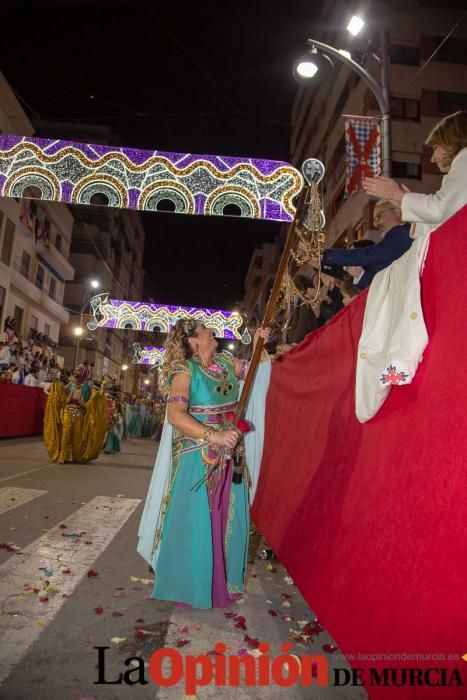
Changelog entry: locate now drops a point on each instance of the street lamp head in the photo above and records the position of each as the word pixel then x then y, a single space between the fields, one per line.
pixel 124 368
pixel 355 25
pixel 146 381
pixel 94 284
pixel 78 331
pixel 306 67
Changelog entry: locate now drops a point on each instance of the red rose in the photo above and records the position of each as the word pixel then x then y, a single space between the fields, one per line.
pixel 242 425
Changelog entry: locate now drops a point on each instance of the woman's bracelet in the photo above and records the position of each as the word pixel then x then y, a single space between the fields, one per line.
pixel 207 433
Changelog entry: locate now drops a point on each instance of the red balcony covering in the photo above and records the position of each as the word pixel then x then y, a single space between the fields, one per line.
pixel 371 520
pixel 22 410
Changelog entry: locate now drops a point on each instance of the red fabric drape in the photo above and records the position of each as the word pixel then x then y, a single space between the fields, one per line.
pixel 371 520
pixel 22 410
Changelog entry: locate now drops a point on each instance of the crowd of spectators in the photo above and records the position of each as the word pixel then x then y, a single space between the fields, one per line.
pixel 30 362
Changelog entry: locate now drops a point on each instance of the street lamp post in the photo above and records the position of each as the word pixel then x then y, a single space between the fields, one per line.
pixel 78 333
pixel 78 330
pixel 379 90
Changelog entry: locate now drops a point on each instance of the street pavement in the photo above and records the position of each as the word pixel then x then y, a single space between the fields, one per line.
pixel 71 581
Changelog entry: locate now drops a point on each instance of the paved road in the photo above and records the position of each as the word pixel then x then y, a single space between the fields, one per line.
pixel 70 581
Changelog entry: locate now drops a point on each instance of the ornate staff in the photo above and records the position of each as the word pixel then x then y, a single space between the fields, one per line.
pixel 309 217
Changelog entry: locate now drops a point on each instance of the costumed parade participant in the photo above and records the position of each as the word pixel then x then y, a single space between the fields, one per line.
pixel 195 525
pixel 75 419
pixel 115 431
pixel 134 420
pixel 394 334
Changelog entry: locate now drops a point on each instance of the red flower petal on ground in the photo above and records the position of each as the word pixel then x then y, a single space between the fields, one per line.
pixel 229 615
pixel 241 626
pixel 184 630
pixel 92 573
pixel 272 612
pixel 43 598
pixel 117 614
pixel 141 634
pixel 312 628
pixel 62 526
pixel 181 643
pixel 329 648
pixel 252 642
pixel 140 619
pixel 98 611
pixel 66 571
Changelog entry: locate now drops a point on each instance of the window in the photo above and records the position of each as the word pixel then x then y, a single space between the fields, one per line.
pixel 25 264
pixel 47 329
pixel 2 303
pixel 34 322
pixel 18 316
pixel 451 50
pixel 449 102
pixel 58 242
pixel 52 287
pixel 7 246
pixel 405 108
pixel 404 54
pixel 40 273
pixel 408 165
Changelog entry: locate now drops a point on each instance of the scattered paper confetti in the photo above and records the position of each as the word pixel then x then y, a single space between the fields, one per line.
pixel 98 611
pixel 92 574
pixel 39 623
pixel 118 640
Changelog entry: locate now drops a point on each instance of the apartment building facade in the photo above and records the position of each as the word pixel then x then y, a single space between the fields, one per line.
pixel 35 239
pixel 427 56
pixel 427 50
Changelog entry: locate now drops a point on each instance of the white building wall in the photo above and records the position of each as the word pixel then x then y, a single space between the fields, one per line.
pixel 37 291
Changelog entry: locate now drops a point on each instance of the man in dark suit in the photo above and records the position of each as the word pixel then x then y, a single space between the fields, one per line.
pixel 395 242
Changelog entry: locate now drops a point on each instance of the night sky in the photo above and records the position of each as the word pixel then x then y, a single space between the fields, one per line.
pixel 178 76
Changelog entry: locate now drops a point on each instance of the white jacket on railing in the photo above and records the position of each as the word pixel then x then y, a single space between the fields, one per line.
pixel 394 334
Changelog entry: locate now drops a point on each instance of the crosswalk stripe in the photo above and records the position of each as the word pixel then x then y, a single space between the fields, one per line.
pixel 60 549
pixel 12 497
pixel 30 471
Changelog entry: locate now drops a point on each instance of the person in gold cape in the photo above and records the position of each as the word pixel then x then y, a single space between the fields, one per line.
pixel 75 420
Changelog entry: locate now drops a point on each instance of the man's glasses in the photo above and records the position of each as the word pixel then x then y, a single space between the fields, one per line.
pixel 377 217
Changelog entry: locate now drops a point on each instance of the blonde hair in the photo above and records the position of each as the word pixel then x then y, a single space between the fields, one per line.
pixel 450 132
pixel 177 350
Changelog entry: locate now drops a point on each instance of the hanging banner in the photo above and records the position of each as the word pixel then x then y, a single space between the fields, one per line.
pixel 362 149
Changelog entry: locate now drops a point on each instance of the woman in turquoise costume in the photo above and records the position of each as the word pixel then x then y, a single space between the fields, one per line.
pixel 135 423
pixel 195 524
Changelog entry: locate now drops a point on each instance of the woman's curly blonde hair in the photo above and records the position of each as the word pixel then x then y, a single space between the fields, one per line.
pixel 177 349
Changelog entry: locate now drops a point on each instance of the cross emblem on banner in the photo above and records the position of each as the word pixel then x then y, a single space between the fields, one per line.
pixel 363 150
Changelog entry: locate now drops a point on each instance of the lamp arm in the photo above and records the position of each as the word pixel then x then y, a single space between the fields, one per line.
pixel 375 87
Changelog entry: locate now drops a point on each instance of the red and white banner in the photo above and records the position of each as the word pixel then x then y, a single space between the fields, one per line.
pixel 362 149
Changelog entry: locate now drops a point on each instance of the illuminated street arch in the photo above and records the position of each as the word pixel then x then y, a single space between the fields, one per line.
pixel 130 178
pixel 144 316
